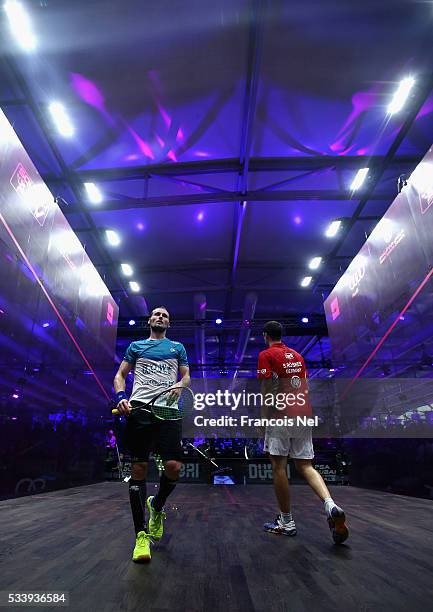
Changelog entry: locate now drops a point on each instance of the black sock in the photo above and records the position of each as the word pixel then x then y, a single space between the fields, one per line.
pixel 137 497
pixel 166 486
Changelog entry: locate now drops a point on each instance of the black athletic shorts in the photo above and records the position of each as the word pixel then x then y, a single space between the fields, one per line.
pixel 160 437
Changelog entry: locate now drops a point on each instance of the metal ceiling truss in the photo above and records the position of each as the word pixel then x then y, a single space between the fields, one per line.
pixel 327 195
pixel 232 165
pixel 255 42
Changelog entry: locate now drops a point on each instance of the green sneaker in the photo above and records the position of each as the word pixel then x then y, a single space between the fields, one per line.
pixel 141 552
pixel 156 520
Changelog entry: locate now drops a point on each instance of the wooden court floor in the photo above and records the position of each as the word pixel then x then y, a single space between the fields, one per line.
pixel 215 557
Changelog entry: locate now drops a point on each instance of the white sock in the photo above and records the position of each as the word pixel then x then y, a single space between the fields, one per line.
pixel 329 504
pixel 286 517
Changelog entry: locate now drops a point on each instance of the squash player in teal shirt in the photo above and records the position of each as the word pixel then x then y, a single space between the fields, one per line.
pixel 157 363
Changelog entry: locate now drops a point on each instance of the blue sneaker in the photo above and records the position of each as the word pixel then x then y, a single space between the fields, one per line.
pixel 281 528
pixel 337 525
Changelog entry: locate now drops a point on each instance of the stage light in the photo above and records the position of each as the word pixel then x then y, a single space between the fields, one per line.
pixel 95 196
pixel 113 238
pixel 61 119
pixel 306 281
pixel 218 321
pixel 401 95
pixel 305 320
pixel 46 324
pixel 15 396
pixel 297 220
pixel 315 263
pixel 200 216
pixel 131 322
pixel 127 269
pixel 360 177
pixel 333 228
pixel 20 25
pixel 134 286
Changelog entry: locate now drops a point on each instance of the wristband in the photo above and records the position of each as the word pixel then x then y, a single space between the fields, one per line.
pixel 120 395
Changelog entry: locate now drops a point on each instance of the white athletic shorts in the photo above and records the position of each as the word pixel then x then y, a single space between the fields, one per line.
pixel 287 443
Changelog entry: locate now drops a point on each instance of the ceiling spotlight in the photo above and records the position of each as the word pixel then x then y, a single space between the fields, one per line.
pixel 20 25
pixel 134 286
pixel 61 119
pixel 112 237
pixel 305 319
pixel 360 177
pixel 218 321
pixel 401 95
pixel 306 281
pixel 333 228
pixel 15 396
pixel 46 324
pixel 200 216
pixel 95 196
pixel 315 263
pixel 131 322
pixel 127 269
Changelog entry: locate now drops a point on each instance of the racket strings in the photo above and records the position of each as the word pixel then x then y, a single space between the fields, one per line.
pixel 181 407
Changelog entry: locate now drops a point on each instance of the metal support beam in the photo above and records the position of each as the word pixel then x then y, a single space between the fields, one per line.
pixel 257 17
pixel 195 199
pixel 233 165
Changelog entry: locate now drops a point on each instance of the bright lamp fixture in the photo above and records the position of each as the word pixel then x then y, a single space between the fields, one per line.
pixel 315 263
pixel 306 281
pixel 95 196
pixel 401 95
pixel 127 269
pixel 360 177
pixel 333 228
pixel 20 25
pixel 113 237
pixel 61 119
pixel 134 286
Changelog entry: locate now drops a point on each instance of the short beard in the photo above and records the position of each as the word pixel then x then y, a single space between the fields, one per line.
pixel 157 328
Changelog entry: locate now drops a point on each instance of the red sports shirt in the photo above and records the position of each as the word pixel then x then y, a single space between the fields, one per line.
pixel 287 369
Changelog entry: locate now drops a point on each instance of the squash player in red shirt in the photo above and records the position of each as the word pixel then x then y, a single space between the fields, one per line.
pixel 282 369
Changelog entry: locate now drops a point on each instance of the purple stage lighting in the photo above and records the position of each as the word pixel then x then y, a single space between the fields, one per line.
pixel 15 396
pixel 305 319
pixel 131 322
pixel 297 220
pixel 218 321
pixel 46 324
pixel 200 216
